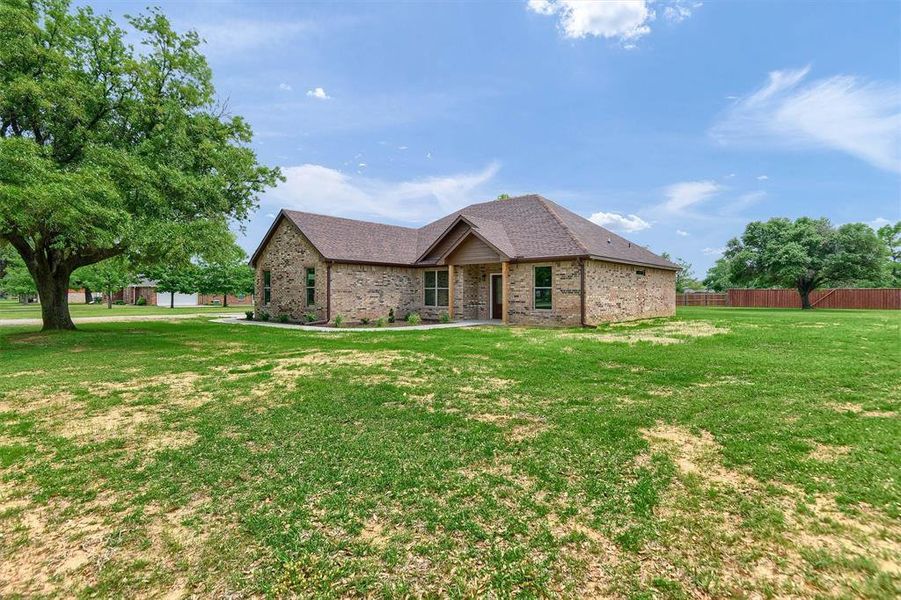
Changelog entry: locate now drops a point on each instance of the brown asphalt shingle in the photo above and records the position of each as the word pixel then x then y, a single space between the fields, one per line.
pixel 524 228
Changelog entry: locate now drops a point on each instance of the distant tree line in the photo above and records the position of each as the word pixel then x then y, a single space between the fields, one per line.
pixel 807 254
pixel 228 274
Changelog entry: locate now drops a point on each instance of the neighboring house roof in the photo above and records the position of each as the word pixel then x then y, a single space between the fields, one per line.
pixel 522 228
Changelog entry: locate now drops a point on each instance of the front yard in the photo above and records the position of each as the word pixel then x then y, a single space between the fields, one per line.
pixel 726 452
pixel 10 309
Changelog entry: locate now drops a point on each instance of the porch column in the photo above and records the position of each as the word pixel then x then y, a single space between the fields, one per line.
pixel 505 286
pixel 450 291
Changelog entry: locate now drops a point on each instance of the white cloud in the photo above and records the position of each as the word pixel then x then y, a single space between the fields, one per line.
pixel 842 113
pixel 318 93
pixel 762 177
pixel 627 223
pixel 679 11
pixel 742 202
pixel 284 87
pixel 320 189
pixel 623 20
pixel 681 232
pixel 713 251
pixel 879 222
pixel 240 36
pixel 270 215
pixel 685 194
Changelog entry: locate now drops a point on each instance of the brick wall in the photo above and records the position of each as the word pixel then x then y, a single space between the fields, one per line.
pixel 286 257
pixel 565 297
pixel 233 300
pixel 615 292
pixel 471 290
pixel 370 291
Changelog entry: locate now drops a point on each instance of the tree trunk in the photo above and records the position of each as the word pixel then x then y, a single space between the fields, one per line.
pixel 53 289
pixel 805 299
pixel 224 299
pixel 171 299
pixel 109 299
pixel 87 295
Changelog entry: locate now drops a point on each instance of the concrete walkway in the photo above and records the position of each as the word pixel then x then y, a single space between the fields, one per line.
pixel 115 319
pixel 453 325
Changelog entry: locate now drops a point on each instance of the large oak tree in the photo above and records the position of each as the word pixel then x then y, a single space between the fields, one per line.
pixel 109 150
pixel 805 254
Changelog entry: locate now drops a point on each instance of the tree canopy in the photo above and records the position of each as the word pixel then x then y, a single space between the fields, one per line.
pixel 108 276
pixel 108 150
pixel 890 235
pixel 805 254
pixel 685 276
pixel 719 276
pixel 226 277
pixel 15 279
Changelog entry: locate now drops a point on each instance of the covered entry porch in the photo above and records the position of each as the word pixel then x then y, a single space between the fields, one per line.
pixel 479 292
pixel 478 271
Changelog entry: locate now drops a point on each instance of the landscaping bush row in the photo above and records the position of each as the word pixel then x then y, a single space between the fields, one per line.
pixel 310 317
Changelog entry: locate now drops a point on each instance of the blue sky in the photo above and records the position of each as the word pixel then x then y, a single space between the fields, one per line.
pixel 671 122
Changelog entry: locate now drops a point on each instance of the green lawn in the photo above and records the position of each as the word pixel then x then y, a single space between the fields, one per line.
pixel 723 453
pixel 11 309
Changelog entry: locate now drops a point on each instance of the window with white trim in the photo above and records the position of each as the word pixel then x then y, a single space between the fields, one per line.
pixel 311 286
pixel 436 288
pixel 267 287
pixel 542 288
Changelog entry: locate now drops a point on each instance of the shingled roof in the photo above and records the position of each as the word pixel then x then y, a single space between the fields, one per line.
pixel 525 228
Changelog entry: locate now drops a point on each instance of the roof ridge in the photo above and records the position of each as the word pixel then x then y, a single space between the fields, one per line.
pixel 548 206
pixel 304 212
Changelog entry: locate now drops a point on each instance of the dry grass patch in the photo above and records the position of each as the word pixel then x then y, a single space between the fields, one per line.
pixel 519 427
pixel 857 409
pixel 52 546
pixel 61 547
pixel 670 332
pixel 703 528
pixel 724 381
pixel 827 453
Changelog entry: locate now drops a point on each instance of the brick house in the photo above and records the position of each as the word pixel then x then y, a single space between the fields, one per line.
pixel 523 260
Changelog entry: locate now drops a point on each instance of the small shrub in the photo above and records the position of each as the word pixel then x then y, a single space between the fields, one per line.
pixel 142 301
pixel 283 318
pixel 338 320
pixel 414 319
pixel 444 317
pixel 391 316
pixel 119 302
pixel 310 316
pixel 364 320
pixel 249 315
pixel 264 316
pixel 380 322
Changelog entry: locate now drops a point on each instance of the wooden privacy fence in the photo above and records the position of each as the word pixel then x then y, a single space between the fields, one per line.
pixel 882 298
pixel 701 299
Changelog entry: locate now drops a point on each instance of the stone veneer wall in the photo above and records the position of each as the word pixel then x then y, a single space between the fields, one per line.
pixel 370 291
pixel 615 292
pixel 565 296
pixel 286 257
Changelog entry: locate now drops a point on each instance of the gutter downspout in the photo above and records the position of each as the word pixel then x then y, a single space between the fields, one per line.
pixel 328 292
pixel 582 292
